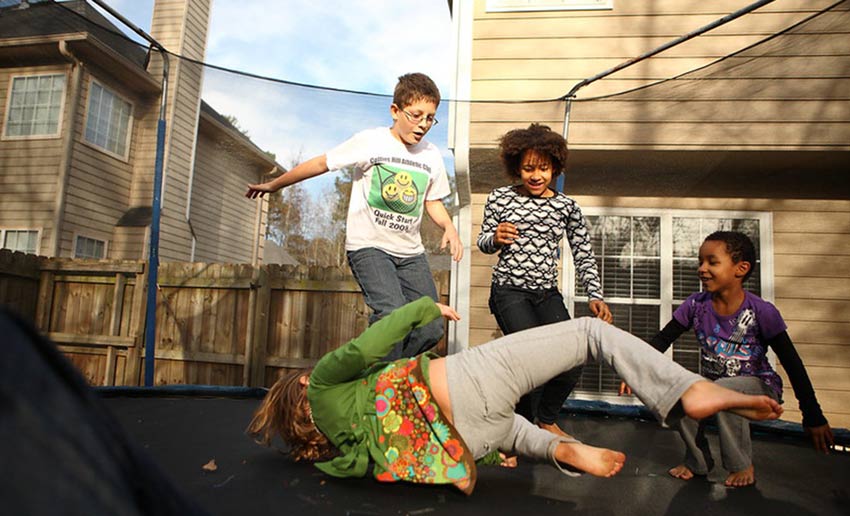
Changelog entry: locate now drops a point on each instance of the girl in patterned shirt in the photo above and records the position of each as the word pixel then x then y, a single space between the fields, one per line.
pixel 525 223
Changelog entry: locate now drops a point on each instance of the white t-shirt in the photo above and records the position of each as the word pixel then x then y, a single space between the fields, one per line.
pixel 392 181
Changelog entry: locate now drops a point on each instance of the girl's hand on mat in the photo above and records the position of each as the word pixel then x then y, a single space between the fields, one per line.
pixel 448 312
pixel 600 309
pixel 507 462
pixel 625 389
pixel 822 437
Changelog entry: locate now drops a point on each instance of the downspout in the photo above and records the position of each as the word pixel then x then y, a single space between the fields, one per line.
pixel 153 260
pixel 625 64
pixel 67 147
pixel 461 272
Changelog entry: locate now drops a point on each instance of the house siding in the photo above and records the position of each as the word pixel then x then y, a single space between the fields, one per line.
pixel 99 183
pixel 30 167
pixel 796 100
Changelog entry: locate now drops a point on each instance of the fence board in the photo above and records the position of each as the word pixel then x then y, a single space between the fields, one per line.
pixel 19 280
pixel 220 324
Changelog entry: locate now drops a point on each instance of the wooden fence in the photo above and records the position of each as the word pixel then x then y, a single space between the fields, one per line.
pixel 217 324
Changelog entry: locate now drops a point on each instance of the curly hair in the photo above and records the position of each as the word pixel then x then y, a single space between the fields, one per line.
pixel 739 246
pixel 540 138
pixel 412 87
pixel 285 412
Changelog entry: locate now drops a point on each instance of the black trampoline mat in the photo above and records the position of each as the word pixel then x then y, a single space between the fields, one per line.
pixel 184 433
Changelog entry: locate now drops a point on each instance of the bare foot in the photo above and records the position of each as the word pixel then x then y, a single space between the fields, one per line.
pixel 682 472
pixel 743 478
pixel 555 429
pixel 705 398
pixel 600 462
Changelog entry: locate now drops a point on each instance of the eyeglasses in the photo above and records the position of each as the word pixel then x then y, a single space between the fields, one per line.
pixel 417 119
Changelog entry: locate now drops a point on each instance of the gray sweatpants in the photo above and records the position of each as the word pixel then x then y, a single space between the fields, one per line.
pixel 486 381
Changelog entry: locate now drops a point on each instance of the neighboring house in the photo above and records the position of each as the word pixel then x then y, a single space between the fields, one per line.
pixel 758 142
pixel 78 126
pixel 276 253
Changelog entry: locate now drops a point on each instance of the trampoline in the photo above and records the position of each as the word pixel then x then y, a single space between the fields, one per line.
pixel 69 449
pixel 185 432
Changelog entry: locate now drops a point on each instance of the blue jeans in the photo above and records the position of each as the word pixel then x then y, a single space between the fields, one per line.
pixel 519 309
pixel 388 283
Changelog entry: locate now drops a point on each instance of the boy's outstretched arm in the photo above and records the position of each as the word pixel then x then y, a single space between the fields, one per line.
pixel 310 168
pixel 438 213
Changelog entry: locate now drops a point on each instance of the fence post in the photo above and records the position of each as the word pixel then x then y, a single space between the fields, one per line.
pixel 258 329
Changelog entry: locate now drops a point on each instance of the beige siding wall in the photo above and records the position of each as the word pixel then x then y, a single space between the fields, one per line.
pixel 128 243
pixel 223 218
pixel 811 281
pixel 99 182
pixel 793 101
pixel 146 115
pixel 29 168
pixel 181 27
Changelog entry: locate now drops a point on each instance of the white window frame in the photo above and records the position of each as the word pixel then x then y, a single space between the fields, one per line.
pixel 37 231
pixel 666 300
pixel 502 6
pixel 77 236
pixel 129 137
pixel 7 113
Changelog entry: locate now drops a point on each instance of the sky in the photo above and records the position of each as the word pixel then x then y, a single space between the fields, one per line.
pixel 361 45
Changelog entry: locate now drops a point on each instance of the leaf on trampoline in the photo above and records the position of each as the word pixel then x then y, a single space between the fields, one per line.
pixel 210 466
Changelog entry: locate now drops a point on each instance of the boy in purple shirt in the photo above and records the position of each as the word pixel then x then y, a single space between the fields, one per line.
pixel 734 328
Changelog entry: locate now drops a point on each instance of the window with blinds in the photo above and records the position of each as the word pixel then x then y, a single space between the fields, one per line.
pixel 648 262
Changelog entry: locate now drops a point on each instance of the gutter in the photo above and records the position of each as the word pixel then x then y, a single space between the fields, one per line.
pixel 74 94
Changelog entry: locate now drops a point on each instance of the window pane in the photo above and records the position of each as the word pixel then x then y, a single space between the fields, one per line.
pixel 108 120
pixel 89 248
pixel 24 241
pixel 32 101
pixel 628 251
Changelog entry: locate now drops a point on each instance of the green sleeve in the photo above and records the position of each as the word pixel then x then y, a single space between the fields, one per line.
pixel 348 361
pixel 491 459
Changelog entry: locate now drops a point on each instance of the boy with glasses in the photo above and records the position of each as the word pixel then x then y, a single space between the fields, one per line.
pixel 398 176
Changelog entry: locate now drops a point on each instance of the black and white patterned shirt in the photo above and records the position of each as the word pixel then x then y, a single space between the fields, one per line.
pixel 531 261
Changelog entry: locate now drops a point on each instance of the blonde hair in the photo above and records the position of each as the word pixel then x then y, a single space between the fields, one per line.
pixel 285 412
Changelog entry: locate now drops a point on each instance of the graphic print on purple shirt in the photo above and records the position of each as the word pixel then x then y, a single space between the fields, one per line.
pixel 734 345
